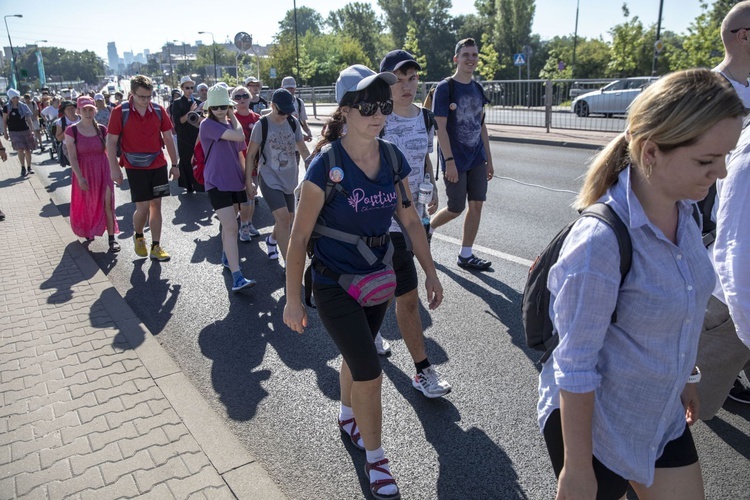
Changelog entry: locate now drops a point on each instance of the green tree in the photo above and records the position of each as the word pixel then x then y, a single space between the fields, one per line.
pixel 701 46
pixel 204 60
pixel 411 45
pixel 359 22
pixel 489 60
pixel 513 30
pixel 63 64
pixel 308 20
pixel 631 50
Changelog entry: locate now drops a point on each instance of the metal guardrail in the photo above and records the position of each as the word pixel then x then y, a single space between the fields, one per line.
pixel 526 103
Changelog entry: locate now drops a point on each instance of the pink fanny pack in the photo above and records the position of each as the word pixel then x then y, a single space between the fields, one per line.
pixel 370 289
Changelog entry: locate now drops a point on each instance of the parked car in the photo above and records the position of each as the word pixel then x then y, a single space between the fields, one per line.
pixel 614 99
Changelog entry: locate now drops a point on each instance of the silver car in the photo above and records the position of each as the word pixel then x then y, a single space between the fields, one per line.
pixel 614 99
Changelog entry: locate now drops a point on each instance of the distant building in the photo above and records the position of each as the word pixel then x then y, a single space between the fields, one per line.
pixel 113 59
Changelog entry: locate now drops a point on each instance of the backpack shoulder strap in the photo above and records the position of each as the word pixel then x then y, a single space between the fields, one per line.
pixel 393 158
pixel 292 123
pixel 75 134
pixel 429 120
pixel 331 158
pixel 263 136
pixel 605 213
pixel 125 114
pixel 299 104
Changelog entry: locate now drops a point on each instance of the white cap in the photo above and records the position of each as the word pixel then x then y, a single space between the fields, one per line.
pixel 186 79
pixel 359 77
pixel 288 83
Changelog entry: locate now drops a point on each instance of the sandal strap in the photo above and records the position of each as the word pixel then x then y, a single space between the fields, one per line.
pixel 375 486
pixel 354 435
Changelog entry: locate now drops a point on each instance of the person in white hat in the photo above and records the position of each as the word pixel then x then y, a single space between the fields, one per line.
pixel 257 102
pixel 187 133
pixel 300 113
pixel 102 110
pixel 223 140
pixel 361 206
pixel 18 129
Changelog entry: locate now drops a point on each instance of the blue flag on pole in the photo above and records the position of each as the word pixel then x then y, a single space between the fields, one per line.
pixel 40 67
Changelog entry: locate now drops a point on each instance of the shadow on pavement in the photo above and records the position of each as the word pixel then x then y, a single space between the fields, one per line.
pixel 471 464
pixel 193 213
pixel 59 179
pixel 66 275
pixel 155 297
pixel 505 306
pixel 731 435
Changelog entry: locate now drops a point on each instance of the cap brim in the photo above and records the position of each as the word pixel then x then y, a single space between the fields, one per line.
pixel 408 61
pixel 386 76
pixel 284 109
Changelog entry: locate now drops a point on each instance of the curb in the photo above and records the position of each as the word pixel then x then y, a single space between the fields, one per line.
pixel 241 472
pixel 546 142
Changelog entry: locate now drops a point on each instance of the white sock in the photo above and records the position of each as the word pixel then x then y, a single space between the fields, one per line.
pixel 465 252
pixel 244 223
pixel 345 412
pixel 271 239
pixel 375 456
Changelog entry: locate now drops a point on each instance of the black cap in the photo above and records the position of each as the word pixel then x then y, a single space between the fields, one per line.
pixel 394 59
pixel 284 100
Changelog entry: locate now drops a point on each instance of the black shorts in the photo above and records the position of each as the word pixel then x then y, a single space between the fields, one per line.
pixel 471 184
pixel 224 199
pixel 147 184
pixel 352 328
pixel 679 452
pixel 403 265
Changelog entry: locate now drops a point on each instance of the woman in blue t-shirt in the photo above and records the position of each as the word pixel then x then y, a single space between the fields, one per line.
pixel 222 139
pixel 363 207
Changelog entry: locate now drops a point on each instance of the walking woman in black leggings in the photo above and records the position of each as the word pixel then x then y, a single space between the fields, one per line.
pixel 364 201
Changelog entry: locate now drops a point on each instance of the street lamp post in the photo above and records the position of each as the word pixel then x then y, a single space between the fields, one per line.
pixel 12 54
pixel 657 41
pixel 296 38
pixel 575 43
pixel 213 44
pixel 257 58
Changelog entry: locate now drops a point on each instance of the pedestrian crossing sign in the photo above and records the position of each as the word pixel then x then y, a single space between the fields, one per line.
pixel 519 60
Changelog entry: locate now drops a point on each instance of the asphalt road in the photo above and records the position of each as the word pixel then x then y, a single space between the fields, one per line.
pixel 278 391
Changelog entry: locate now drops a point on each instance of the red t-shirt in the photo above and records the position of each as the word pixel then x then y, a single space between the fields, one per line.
pixel 247 122
pixel 142 134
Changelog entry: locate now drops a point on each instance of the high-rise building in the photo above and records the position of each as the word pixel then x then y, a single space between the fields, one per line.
pixel 113 57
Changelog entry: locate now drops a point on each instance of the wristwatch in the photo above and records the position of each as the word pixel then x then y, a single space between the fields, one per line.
pixel 695 377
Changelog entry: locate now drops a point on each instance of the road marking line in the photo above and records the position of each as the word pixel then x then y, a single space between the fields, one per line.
pixel 500 255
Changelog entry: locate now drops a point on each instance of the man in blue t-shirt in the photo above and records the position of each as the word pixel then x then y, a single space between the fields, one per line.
pixel 464 150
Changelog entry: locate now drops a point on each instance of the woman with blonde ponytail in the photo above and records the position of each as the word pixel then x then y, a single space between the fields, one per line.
pixel 617 398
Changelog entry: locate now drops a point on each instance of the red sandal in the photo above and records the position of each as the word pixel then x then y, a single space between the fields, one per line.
pixel 353 431
pixel 376 486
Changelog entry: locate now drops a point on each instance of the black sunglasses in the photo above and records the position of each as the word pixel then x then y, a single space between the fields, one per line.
pixel 370 108
pixel 222 108
pixel 242 96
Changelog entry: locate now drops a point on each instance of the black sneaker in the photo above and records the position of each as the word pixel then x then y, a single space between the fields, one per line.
pixel 23 171
pixel 29 170
pixel 474 262
pixel 739 392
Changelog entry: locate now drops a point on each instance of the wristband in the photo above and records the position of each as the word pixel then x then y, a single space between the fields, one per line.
pixel 450 158
pixel 174 166
pixel 695 377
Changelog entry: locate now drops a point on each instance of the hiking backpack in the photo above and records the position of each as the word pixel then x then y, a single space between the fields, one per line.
pixel 332 157
pixel 535 306
pixel 264 135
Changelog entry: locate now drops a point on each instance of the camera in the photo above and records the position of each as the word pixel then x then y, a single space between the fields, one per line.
pixel 194 118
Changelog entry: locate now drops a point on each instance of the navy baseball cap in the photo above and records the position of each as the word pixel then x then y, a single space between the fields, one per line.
pixel 395 59
pixel 284 100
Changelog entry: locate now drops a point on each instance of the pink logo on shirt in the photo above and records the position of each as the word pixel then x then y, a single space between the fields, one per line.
pixel 361 203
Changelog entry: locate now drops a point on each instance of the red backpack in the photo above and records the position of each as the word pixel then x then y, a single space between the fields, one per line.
pixel 199 162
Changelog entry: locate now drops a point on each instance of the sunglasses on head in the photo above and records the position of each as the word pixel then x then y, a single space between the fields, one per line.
pixel 222 108
pixel 370 108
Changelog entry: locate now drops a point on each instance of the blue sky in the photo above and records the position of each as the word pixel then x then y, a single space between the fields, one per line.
pixel 91 24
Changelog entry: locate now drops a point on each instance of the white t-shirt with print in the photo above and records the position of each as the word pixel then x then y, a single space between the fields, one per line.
pixel 413 139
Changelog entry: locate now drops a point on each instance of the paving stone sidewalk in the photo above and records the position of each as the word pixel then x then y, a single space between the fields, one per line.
pixel 83 414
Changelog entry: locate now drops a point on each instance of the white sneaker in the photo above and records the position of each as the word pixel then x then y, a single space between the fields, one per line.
pixel 382 346
pixel 431 383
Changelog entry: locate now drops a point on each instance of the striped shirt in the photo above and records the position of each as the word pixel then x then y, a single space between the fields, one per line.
pixel 638 367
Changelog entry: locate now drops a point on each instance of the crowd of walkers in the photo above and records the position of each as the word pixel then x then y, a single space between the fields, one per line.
pixel 618 394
